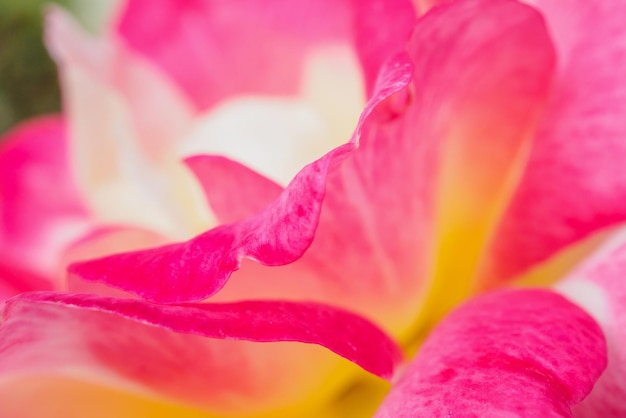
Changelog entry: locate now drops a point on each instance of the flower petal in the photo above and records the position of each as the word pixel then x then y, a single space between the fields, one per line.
pixel 527 353
pixel 233 190
pixel 486 81
pixel 128 343
pixel 382 28
pixel 14 280
pixel 580 148
pixel 430 162
pixel 125 119
pixel 211 48
pixel 41 209
pixel 198 268
pixel 599 287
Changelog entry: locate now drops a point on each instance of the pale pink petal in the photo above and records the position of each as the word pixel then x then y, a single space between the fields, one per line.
pixel 40 209
pixel 526 353
pixel 125 120
pixel 216 49
pixel 198 268
pixel 600 287
pixel 575 183
pixel 233 190
pixel 130 344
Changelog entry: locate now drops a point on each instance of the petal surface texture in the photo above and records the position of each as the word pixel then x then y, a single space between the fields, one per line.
pixel 129 344
pixel 525 353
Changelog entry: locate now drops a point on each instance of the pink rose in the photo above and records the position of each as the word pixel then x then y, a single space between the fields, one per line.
pixel 487 152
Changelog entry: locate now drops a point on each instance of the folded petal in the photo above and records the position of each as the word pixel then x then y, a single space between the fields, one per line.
pixel 41 209
pixel 196 269
pixel 580 147
pixel 525 353
pixel 129 344
pixel 599 287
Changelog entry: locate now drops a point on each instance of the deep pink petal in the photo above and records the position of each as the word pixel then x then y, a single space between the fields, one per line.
pixel 600 287
pixel 40 209
pixel 233 190
pixel 215 49
pixel 574 183
pixel 198 268
pixel 526 353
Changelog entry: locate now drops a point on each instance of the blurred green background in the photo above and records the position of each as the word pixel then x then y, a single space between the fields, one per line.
pixel 28 79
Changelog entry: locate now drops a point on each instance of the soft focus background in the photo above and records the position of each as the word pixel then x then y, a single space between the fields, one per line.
pixel 28 79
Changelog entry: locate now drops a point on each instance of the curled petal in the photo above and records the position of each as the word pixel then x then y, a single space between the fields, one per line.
pixel 526 353
pixel 196 269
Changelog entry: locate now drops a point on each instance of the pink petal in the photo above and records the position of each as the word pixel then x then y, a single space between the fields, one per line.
pixel 382 29
pixel 431 159
pixel 574 183
pixel 218 49
pixel 15 280
pixel 129 344
pixel 41 209
pixel 198 268
pixel 233 190
pixel 599 287
pixel 526 353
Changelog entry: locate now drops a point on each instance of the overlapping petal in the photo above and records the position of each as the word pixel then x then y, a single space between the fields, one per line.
pixel 524 353
pixel 196 269
pixel 128 343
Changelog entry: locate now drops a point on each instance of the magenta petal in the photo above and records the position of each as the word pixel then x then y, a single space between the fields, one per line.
pixel 196 269
pixel 342 332
pixel 233 190
pixel 525 353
